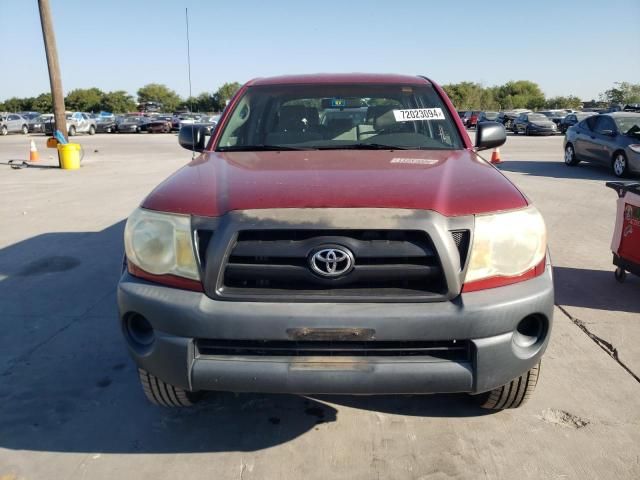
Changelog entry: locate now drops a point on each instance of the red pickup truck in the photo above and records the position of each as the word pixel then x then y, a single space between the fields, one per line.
pixel 337 234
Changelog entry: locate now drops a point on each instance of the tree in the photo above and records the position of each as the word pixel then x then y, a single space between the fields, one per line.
pixel 84 99
pixel 43 103
pixel 622 93
pixel 155 92
pixel 16 104
pixel 226 92
pixel 564 102
pixel 118 101
pixel 465 95
pixel 520 94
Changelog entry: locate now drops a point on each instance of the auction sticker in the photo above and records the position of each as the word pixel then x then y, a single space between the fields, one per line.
pixel 414 114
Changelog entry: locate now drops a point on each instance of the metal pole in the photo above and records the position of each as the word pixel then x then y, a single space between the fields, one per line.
pixel 54 67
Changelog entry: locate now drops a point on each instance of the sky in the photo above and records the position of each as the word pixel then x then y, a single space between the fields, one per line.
pixel 567 47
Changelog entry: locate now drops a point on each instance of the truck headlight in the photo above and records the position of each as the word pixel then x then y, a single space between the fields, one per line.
pixel 507 244
pixel 161 243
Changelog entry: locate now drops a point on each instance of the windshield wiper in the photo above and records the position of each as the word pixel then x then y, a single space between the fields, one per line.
pixel 363 146
pixel 259 148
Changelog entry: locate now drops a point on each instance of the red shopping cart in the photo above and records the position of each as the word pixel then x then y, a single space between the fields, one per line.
pixel 626 235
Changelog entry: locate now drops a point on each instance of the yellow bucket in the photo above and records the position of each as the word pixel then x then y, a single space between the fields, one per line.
pixel 69 155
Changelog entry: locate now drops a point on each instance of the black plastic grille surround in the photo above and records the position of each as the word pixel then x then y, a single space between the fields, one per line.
pixel 443 350
pixel 388 264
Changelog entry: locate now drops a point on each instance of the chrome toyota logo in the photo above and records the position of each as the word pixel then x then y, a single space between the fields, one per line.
pixel 331 262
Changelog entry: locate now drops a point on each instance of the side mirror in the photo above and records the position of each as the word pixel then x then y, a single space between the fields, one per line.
pixel 192 138
pixel 608 133
pixel 490 135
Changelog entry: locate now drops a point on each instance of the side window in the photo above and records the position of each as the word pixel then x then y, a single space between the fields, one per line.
pixel 85 116
pixel 591 122
pixel 603 123
pixel 13 117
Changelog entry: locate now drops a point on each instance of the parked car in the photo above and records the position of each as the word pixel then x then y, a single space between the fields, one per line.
pixel 470 118
pixel 611 139
pixel 487 117
pixel 209 123
pixel 388 258
pixel 36 125
pixel 556 116
pixel 574 118
pixel 106 124
pixel 29 115
pixel 13 123
pixel 507 118
pixel 133 124
pixel 534 124
pixel 77 122
pixel 159 124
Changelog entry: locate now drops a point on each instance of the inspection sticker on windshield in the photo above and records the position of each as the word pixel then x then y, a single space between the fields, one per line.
pixel 418 114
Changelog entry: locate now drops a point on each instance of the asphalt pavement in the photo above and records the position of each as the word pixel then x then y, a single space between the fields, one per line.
pixel 72 407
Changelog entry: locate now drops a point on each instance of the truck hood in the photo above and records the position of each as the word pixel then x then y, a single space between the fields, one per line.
pixel 450 182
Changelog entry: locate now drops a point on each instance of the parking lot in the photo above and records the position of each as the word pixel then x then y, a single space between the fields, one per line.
pixel 72 406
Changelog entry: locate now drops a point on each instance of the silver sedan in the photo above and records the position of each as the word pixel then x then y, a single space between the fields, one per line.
pixel 611 139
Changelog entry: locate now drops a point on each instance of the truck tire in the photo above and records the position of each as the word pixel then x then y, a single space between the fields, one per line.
pixel 3 130
pixel 163 394
pixel 25 129
pixel 514 394
pixel 72 131
pixel 92 130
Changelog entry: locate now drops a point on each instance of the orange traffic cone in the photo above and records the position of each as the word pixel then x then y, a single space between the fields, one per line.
pixel 34 156
pixel 495 156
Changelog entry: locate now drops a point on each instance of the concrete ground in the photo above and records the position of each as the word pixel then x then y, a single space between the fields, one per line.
pixel 71 406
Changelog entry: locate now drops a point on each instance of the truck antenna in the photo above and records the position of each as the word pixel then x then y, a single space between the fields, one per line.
pixel 186 17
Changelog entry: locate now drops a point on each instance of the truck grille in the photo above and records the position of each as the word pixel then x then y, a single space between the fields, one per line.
pixel 444 350
pixel 388 265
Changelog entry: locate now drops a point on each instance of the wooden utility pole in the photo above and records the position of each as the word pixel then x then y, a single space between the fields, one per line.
pixel 54 67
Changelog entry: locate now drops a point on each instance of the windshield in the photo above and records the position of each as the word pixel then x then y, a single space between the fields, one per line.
pixel 629 125
pixel 309 117
pixel 537 118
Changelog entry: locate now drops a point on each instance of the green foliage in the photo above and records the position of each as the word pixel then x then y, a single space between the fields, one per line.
pixel 118 101
pixel 563 102
pixel 465 95
pixel 15 104
pixel 42 103
pixel 155 92
pixel 520 94
pixel 226 92
pixel 622 93
pixel 84 99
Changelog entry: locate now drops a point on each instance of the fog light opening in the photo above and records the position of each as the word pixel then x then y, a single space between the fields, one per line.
pixel 530 331
pixel 139 330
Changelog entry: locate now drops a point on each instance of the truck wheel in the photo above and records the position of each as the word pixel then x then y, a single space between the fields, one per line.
pixel 3 130
pixel 513 394
pixel 163 394
pixel 620 274
pixel 92 130
pixel 72 131
pixel 25 129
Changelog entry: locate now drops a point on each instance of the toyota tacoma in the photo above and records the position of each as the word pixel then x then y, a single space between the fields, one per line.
pixel 337 234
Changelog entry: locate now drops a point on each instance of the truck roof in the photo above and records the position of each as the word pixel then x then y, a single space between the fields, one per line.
pixel 338 78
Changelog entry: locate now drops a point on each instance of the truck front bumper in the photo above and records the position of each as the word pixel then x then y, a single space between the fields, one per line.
pixel 501 346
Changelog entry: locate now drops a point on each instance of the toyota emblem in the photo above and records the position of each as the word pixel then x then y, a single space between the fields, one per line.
pixel 332 262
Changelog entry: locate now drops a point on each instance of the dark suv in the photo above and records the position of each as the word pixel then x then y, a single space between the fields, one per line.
pixel 372 252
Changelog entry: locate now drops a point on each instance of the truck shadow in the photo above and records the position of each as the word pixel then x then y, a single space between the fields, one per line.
pixel 596 289
pixel 67 383
pixel 557 169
